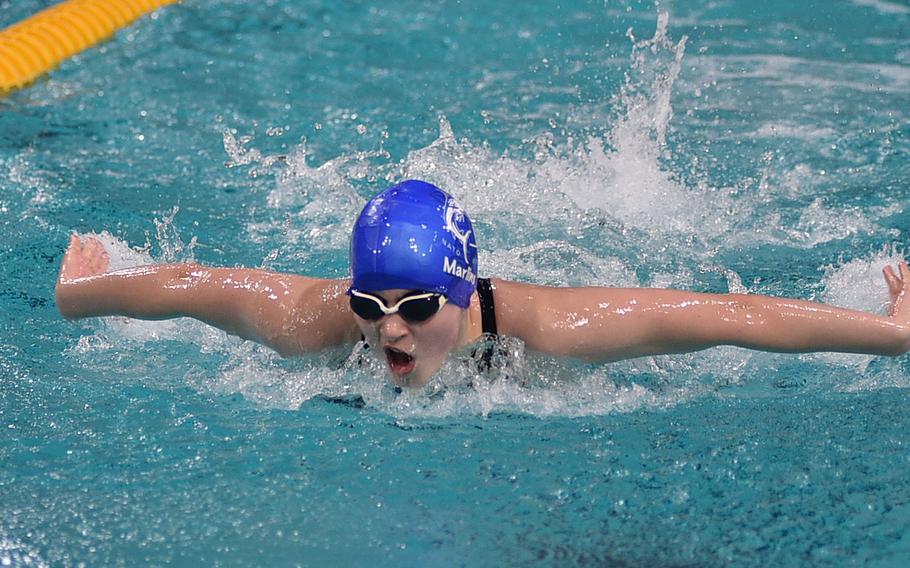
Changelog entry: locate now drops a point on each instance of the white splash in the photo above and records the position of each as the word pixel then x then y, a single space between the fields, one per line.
pixel 859 285
pixel 117 332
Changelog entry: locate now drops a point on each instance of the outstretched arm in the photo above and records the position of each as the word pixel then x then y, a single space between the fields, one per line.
pixel 291 314
pixel 608 324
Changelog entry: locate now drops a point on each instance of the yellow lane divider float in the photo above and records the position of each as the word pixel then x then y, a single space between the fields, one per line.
pixel 37 44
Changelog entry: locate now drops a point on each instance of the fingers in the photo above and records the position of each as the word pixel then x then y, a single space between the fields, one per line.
pixel 898 289
pixel 897 281
pixel 71 251
pixel 894 283
pixel 85 256
pixel 95 251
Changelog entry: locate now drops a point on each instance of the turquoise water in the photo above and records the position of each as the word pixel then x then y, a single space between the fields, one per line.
pixel 721 146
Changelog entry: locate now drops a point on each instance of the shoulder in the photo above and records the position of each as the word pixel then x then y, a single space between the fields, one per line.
pixel 523 308
pixel 509 293
pixel 321 314
pixel 508 288
pixel 517 305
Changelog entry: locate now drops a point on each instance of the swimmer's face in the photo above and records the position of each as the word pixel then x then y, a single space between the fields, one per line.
pixel 413 351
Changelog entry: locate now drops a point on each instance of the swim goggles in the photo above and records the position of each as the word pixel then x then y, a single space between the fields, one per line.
pixel 414 308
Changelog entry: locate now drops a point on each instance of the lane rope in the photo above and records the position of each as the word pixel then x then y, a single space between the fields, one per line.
pixel 37 44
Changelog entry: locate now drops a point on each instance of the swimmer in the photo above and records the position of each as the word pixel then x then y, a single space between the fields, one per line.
pixel 414 295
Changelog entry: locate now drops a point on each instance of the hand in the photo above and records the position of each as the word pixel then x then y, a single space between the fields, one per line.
pixel 898 288
pixel 84 257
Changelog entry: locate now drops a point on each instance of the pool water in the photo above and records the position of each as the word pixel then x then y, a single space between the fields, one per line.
pixel 723 146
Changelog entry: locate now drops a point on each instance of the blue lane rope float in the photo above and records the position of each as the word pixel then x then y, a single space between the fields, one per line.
pixel 36 45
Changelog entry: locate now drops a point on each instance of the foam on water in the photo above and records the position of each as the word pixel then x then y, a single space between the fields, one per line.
pixel 587 210
pixel 883 6
pixel 788 129
pixel 795 71
pixel 30 186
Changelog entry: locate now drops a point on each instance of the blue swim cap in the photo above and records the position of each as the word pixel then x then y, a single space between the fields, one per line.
pixel 414 236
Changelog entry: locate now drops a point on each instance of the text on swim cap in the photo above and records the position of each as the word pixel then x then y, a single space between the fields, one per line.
pixel 450 267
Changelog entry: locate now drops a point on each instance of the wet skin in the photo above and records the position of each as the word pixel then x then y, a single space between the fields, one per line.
pixel 414 351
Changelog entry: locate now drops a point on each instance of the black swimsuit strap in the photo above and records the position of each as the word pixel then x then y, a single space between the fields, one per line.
pixel 487 308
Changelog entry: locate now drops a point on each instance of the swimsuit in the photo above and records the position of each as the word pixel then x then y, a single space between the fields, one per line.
pixel 487 308
pixel 490 347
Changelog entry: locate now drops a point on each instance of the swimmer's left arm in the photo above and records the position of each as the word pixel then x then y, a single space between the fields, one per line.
pixel 608 324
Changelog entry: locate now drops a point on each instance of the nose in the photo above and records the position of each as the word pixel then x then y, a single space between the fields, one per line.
pixel 393 327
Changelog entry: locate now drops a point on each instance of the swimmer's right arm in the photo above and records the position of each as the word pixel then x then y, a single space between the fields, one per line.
pixel 291 314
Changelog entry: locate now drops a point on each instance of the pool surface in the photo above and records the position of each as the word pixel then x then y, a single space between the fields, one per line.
pixel 711 146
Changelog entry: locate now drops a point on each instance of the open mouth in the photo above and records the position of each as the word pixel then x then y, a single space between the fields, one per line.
pixel 400 363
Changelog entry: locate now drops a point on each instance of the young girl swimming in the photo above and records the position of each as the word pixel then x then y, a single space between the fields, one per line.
pixel 414 295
